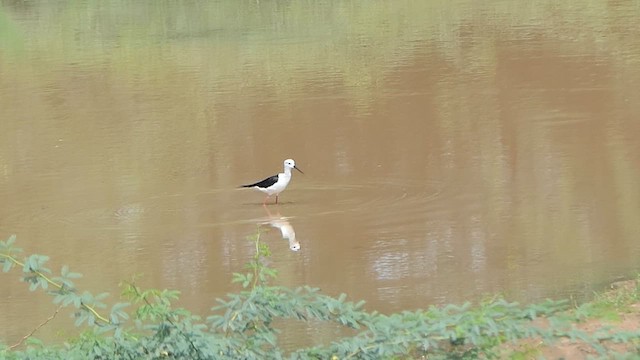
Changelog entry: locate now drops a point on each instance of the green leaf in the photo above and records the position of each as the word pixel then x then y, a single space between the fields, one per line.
pixel 118 312
pixel 43 283
pixel 42 259
pixel 11 240
pixel 87 298
pixel 120 306
pixel 33 341
pixel 73 275
pixel 27 265
pixel 69 298
pixel 68 284
pixel 102 296
pixel 6 267
pixel 80 318
pixel 77 301
pixel 171 294
pixel 238 278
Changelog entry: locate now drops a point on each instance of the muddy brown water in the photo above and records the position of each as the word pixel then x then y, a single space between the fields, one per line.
pixel 451 149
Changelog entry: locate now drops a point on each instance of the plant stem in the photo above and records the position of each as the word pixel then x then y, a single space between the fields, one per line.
pixel 256 257
pixel 36 329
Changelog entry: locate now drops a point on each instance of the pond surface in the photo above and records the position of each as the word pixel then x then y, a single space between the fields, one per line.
pixel 451 149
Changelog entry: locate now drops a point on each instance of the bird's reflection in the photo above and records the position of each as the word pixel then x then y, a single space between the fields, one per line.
pixel 280 222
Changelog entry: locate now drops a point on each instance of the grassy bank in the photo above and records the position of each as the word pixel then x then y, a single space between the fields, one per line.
pixel 246 324
pixel 614 310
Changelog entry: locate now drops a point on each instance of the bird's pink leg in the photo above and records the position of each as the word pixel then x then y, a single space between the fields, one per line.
pixel 276 199
pixel 264 203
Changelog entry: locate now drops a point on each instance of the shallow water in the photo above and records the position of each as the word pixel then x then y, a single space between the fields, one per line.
pixel 450 149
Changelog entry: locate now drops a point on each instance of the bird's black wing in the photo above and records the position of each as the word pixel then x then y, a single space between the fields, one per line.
pixel 264 183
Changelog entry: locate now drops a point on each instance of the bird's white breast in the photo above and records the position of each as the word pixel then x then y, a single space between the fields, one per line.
pixel 280 185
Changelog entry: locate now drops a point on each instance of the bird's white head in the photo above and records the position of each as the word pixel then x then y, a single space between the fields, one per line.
pixel 290 164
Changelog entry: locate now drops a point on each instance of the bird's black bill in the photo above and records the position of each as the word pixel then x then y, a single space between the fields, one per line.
pixel 295 167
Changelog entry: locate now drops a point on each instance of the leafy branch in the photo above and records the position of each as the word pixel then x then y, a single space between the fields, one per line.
pixel 156 305
pixel 37 275
pixel 246 324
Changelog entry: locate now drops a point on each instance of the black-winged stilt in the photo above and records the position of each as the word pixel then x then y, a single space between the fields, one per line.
pixel 275 184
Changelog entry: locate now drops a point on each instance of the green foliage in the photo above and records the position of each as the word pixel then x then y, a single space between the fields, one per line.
pixel 608 306
pixel 243 324
pixel 61 287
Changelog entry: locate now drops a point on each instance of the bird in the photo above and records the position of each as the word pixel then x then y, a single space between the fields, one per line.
pixel 275 184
